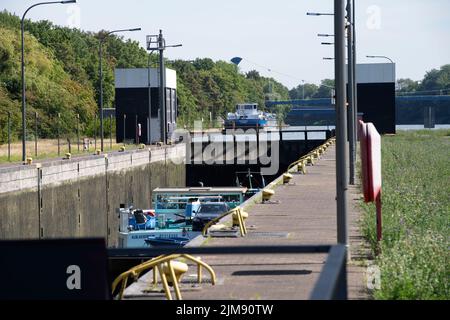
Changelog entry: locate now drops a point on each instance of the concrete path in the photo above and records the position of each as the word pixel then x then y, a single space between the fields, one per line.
pixel 305 214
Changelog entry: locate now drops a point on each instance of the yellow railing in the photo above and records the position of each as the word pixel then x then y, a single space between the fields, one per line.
pixel 238 212
pixel 311 156
pixel 157 264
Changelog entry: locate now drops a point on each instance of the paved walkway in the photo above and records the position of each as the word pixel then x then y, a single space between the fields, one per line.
pixel 305 214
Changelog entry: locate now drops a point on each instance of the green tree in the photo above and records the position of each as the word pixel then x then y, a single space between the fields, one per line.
pixel 325 88
pixel 436 79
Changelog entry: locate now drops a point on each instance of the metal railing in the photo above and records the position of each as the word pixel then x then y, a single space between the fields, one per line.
pixel 158 263
pixel 331 285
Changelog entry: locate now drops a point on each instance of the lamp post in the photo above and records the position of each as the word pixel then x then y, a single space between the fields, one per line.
pixel 319 14
pixel 303 90
pixel 381 57
pixel 351 98
pixel 351 114
pixel 22 29
pixel 341 125
pixel 101 78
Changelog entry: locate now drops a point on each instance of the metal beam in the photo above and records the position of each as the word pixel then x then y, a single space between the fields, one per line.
pixel 341 125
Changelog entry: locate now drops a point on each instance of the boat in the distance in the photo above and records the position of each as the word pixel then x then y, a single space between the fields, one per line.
pixel 247 116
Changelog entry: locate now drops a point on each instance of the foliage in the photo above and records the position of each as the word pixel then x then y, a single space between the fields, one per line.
pixel 50 89
pixel 313 91
pixel 62 72
pixel 416 213
pixel 206 86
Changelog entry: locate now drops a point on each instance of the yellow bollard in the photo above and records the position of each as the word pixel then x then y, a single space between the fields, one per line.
pixel 29 160
pixel 235 217
pixel 301 167
pixel 142 146
pixel 122 149
pixel 68 156
pixel 155 277
pixel 287 177
pixel 180 268
pixel 98 152
pixel 267 194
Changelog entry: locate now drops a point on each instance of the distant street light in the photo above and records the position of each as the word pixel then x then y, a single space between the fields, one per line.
pixel 325 35
pixel 319 14
pixel 328 58
pixel 101 78
pixel 303 91
pixel 22 29
pixel 382 57
pixel 327 43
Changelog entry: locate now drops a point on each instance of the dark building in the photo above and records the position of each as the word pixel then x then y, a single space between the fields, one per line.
pixel 376 100
pixel 137 104
pixel 376 95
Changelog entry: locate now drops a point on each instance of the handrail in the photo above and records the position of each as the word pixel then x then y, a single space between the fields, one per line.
pixel 156 263
pixel 311 153
pixel 238 210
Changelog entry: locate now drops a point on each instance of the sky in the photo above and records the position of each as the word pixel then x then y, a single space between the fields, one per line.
pixel 274 37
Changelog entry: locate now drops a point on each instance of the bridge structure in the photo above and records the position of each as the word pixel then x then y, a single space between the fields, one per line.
pixel 411 109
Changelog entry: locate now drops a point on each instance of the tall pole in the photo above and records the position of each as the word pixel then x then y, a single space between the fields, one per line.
pixel 9 136
pixel 101 93
pixel 110 131
pixel 350 86
pixel 341 128
pixel 162 98
pixel 59 123
pixel 35 133
pixel 78 132
pixel 149 133
pixel 22 29
pixel 24 120
pixel 303 90
pixel 355 84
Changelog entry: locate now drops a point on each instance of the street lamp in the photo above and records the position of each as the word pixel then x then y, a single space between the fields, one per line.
pixel 352 103
pixel 327 43
pixel 22 29
pixel 101 78
pixel 303 90
pixel 328 58
pixel 319 14
pixel 382 57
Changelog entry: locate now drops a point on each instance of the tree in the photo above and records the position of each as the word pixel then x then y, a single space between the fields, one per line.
pixel 407 85
pixel 436 79
pixel 253 74
pixel 310 89
pixel 324 91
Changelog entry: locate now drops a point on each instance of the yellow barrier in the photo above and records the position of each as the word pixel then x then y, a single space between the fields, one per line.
pixel 163 264
pixel 238 211
pixel 310 157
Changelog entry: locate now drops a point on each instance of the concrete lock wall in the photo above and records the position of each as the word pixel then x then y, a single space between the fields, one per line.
pixel 79 197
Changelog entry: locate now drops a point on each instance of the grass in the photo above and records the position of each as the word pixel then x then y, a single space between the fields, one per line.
pixel 414 259
pixel 48 148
